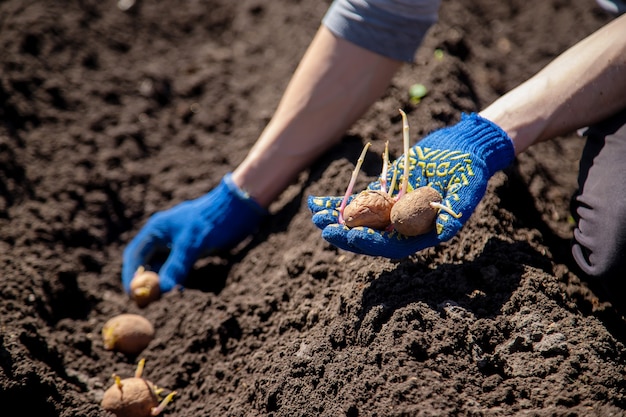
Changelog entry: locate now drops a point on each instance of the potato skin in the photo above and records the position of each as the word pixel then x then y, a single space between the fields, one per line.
pixel 144 288
pixel 127 333
pixel 369 208
pixel 412 215
pixel 135 398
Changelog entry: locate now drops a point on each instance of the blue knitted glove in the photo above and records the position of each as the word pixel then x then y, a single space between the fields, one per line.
pixel 216 221
pixel 457 161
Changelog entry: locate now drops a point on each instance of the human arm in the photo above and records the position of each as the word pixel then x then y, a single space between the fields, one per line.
pixel 348 65
pixel 584 85
pixel 335 82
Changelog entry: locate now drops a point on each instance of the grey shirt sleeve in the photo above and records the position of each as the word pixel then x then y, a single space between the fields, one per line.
pixel 392 28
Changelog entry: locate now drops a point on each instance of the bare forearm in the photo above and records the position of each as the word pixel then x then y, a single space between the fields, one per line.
pixel 584 85
pixel 333 86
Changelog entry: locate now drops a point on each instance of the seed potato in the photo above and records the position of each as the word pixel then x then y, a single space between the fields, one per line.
pixel 134 397
pixel 409 213
pixel 370 208
pixel 127 333
pixel 413 215
pixel 144 287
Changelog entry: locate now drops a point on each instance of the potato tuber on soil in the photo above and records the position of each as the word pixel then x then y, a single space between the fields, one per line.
pixel 409 213
pixel 134 397
pixel 127 333
pixel 144 287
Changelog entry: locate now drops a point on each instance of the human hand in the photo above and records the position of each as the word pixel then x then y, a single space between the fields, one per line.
pixel 216 221
pixel 457 161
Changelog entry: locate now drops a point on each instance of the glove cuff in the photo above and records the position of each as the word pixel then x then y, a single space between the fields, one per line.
pixel 488 140
pixel 241 198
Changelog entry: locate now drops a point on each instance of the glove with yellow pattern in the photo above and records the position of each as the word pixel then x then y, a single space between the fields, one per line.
pixel 457 161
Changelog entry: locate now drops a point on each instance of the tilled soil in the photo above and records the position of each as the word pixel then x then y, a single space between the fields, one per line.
pixel 108 116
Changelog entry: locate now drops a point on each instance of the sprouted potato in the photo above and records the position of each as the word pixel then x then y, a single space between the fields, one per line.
pixel 409 213
pixel 370 208
pixel 134 397
pixel 144 287
pixel 413 214
pixel 127 333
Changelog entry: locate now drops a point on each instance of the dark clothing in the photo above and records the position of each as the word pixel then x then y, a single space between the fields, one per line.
pixel 599 206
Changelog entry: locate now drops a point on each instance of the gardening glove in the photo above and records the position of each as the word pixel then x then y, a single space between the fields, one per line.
pixel 457 161
pixel 216 221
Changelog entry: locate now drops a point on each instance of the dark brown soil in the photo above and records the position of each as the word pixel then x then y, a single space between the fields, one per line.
pixel 108 116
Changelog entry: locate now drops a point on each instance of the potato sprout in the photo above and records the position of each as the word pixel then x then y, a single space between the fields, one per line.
pixel 135 397
pixel 409 213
